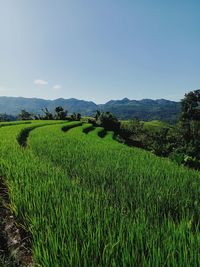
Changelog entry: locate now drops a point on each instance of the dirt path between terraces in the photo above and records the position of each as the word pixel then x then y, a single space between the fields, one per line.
pixel 14 240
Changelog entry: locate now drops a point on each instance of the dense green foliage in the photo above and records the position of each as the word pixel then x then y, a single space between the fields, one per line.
pixel 5 117
pixel 25 115
pixel 61 114
pixel 156 125
pixel 180 142
pixel 91 201
pixel 108 121
pixel 190 123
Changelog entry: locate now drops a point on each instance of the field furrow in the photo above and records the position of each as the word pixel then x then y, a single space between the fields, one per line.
pixel 87 127
pixel 4 124
pixel 71 125
pixel 24 133
pixel 98 131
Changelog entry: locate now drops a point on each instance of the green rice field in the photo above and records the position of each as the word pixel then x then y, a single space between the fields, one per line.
pixel 87 200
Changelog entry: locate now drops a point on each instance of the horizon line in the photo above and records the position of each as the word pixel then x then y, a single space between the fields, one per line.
pixel 124 98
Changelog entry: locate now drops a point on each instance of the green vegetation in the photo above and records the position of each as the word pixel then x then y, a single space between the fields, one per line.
pixel 88 127
pixel 155 124
pixel 107 120
pixel 145 109
pixel 91 201
pixel 2 124
pixel 180 142
pixel 156 136
pixel 71 125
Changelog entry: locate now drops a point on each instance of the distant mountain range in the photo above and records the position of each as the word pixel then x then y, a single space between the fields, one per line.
pixel 145 109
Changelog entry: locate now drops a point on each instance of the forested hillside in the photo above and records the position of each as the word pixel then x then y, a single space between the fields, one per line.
pixel 145 109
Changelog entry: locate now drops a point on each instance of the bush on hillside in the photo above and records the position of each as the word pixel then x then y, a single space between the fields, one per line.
pixel 108 121
pixel 60 113
pixel 25 115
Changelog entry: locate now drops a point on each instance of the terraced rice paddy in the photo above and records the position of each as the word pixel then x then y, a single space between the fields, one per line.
pixel 86 200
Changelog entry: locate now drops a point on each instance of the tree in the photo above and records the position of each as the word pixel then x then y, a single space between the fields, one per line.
pixel 5 117
pixel 190 106
pixel 61 114
pixel 73 116
pixel 98 113
pixel 190 123
pixel 108 121
pixel 76 116
pixel 47 114
pixel 25 115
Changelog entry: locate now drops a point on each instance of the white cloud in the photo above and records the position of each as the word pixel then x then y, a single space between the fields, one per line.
pixel 57 87
pixel 40 82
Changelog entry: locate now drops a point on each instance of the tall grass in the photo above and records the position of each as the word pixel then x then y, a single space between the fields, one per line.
pixel 13 123
pixel 90 201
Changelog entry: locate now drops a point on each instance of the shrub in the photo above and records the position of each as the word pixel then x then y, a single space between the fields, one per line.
pixel 109 122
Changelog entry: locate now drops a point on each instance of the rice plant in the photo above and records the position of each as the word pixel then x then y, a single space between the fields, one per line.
pixel 91 201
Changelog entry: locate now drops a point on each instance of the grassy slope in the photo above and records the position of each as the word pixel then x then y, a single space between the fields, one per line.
pixel 128 206
pixel 90 201
pixel 21 168
pixel 152 125
pixel 156 125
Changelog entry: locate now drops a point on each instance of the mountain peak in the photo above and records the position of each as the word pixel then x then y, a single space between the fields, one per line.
pixel 146 109
pixel 125 99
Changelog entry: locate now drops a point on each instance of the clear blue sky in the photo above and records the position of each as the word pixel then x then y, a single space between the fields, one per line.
pixel 99 49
